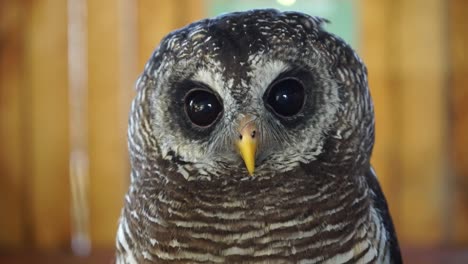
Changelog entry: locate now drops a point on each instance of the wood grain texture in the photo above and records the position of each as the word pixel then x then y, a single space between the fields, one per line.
pixel 109 166
pixel 421 68
pixel 377 53
pixel 405 54
pixel 458 22
pixel 11 133
pixel 46 99
pixel 157 18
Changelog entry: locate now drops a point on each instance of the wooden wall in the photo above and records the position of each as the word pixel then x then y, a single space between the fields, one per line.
pixel 35 110
pixel 416 56
pixel 12 128
pixel 458 116
pixel 418 72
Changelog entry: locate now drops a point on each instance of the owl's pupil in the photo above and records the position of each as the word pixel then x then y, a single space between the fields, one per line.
pixel 286 97
pixel 202 107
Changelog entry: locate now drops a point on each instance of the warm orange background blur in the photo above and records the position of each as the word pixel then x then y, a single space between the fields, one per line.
pixel 65 91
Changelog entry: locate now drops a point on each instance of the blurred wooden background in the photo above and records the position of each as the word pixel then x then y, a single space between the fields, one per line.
pixel 415 50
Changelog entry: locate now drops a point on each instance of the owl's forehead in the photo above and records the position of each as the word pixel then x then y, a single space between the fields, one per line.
pixel 236 36
pixel 240 48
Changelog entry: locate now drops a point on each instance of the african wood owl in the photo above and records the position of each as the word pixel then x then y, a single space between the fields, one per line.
pixel 250 140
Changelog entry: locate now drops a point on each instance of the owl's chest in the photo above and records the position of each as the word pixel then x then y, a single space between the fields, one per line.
pixel 239 230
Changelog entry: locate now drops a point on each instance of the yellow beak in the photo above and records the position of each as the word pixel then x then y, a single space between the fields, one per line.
pixel 247 144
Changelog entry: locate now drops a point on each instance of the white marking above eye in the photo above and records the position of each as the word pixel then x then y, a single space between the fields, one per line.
pixel 263 74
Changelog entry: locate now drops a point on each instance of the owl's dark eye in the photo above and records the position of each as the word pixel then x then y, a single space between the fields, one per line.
pixel 286 97
pixel 202 107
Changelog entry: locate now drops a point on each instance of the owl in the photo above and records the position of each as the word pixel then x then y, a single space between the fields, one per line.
pixel 250 140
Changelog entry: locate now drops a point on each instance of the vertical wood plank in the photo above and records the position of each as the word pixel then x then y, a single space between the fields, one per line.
pixel 157 18
pixel 421 78
pixel 191 11
pixel 109 165
pixel 405 54
pixel 377 53
pixel 458 22
pixel 47 102
pixel 11 133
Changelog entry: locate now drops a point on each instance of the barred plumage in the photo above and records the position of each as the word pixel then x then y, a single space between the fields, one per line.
pixel 313 197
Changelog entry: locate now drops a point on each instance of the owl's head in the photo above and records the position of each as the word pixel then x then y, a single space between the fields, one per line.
pixel 252 94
